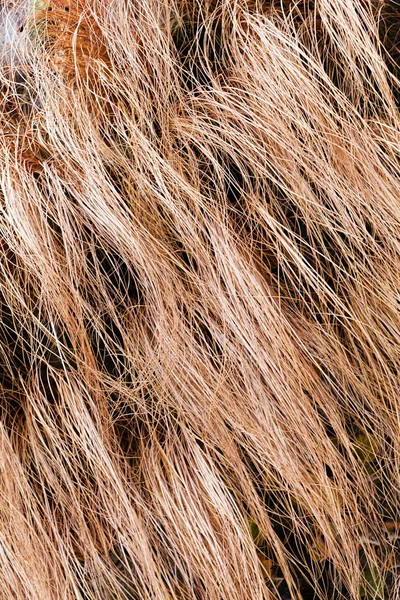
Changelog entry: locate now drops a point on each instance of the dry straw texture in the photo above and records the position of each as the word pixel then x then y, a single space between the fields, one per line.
pixel 200 293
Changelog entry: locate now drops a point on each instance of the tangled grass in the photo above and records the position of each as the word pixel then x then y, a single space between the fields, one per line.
pixel 200 300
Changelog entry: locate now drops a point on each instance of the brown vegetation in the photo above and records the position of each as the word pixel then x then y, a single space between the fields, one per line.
pixel 200 294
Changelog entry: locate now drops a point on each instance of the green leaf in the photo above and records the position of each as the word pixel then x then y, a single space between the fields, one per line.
pixel 255 531
pixel 373 587
pixel 366 448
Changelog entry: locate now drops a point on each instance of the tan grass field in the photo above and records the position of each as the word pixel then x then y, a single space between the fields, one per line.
pixel 199 300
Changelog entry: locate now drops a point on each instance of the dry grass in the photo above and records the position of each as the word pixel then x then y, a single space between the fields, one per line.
pixel 200 294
